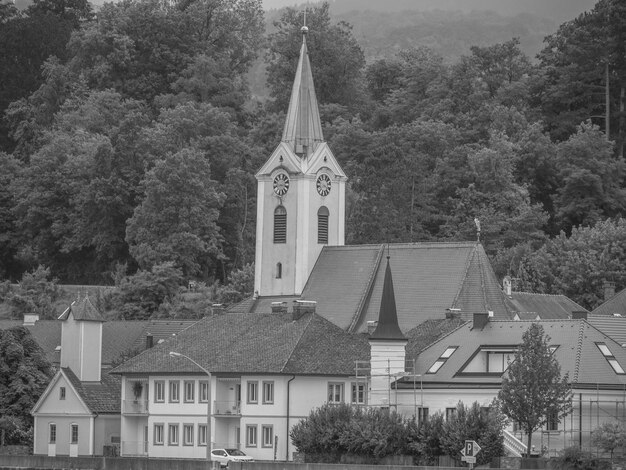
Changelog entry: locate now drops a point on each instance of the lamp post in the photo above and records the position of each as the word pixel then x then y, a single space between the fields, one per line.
pixel 208 406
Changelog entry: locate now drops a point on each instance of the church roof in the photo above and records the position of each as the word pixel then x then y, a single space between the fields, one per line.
pixel 303 127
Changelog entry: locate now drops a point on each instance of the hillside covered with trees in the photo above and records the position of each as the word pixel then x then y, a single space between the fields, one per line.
pixel 130 141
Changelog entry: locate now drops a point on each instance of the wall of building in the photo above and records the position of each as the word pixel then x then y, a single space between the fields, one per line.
pixel 107 432
pixel 62 446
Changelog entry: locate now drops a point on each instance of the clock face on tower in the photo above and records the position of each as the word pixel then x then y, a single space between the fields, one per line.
pixel 281 184
pixel 323 185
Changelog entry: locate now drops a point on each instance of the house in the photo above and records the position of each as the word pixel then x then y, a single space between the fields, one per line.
pixel 614 304
pixel 468 363
pixel 79 412
pixel 257 375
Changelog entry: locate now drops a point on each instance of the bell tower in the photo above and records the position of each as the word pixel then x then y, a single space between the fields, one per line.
pixel 300 195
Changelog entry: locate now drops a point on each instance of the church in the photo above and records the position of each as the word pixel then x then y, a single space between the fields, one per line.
pixel 300 241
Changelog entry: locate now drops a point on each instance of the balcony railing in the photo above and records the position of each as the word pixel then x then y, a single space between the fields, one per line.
pixel 135 407
pixel 227 408
pixel 134 448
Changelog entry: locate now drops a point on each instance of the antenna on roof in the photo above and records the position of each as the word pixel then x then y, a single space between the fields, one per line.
pixel 304 30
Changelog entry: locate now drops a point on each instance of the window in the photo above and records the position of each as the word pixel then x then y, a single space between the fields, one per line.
pixel 253 392
pixel 552 424
pixel 172 433
pixel 251 431
pixel 358 393
pixel 322 225
pixel 450 413
pixel 159 391
pixel 280 225
pixel 422 414
pixel 606 352
pixel 335 393
pixel 174 391
pixel 62 393
pixel 158 434
pixel 188 434
pixel 52 434
pixel 73 433
pixel 268 392
pixel 204 391
pixel 442 359
pixel 268 436
pixel 201 434
pixel 279 270
pixel 190 387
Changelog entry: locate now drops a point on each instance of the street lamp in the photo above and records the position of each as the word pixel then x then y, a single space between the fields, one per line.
pixel 208 406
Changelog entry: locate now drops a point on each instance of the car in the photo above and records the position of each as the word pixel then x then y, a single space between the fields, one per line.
pixel 225 456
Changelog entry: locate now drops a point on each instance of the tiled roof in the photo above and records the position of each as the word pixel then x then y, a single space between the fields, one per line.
pixel 577 352
pixel 101 397
pixel 528 305
pixel 427 333
pixel 82 310
pixel 256 343
pixel 616 304
pixel 261 304
pixel 615 327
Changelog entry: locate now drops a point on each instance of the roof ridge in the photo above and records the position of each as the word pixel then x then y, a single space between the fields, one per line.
pixel 304 330
pixel 468 262
pixel 579 347
pixel 367 295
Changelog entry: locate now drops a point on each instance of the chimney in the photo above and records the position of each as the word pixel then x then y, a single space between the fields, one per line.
pixel 302 307
pixel 371 326
pixel 149 340
pixel 30 319
pixel 480 320
pixel 452 313
pixel 579 315
pixel 609 290
pixel 279 307
pixel 218 309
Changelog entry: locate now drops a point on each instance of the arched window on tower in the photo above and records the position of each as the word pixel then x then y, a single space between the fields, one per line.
pixel 279 270
pixel 322 225
pixel 280 225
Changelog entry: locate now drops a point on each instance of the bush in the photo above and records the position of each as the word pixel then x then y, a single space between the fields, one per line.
pixel 573 458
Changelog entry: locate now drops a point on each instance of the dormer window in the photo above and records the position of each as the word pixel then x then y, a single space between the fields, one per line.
pixel 608 355
pixel 489 360
pixel 442 359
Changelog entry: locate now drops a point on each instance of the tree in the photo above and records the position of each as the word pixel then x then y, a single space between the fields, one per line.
pixel 36 293
pixel 176 221
pixel 336 57
pixel 577 265
pixel 608 437
pixel 24 375
pixel 429 439
pixel 533 390
pixel 481 424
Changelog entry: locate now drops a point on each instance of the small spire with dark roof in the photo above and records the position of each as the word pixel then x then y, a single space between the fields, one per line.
pixel 388 327
pixel 83 310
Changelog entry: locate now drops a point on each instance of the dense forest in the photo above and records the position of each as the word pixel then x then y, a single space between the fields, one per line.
pixel 130 139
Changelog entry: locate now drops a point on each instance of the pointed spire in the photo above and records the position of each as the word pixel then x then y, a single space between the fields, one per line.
pixel 303 127
pixel 388 327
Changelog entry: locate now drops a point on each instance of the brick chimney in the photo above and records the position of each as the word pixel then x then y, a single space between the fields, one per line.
pixel 579 315
pixel 279 307
pixel 302 307
pixel 218 309
pixel 149 340
pixel 371 326
pixel 452 313
pixel 609 289
pixel 480 319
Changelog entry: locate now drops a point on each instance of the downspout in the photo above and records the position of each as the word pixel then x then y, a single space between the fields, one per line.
pixel 287 433
pixel 92 444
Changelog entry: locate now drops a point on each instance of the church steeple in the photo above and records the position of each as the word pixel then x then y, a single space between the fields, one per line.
pixel 303 127
pixel 388 328
pixel 300 195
